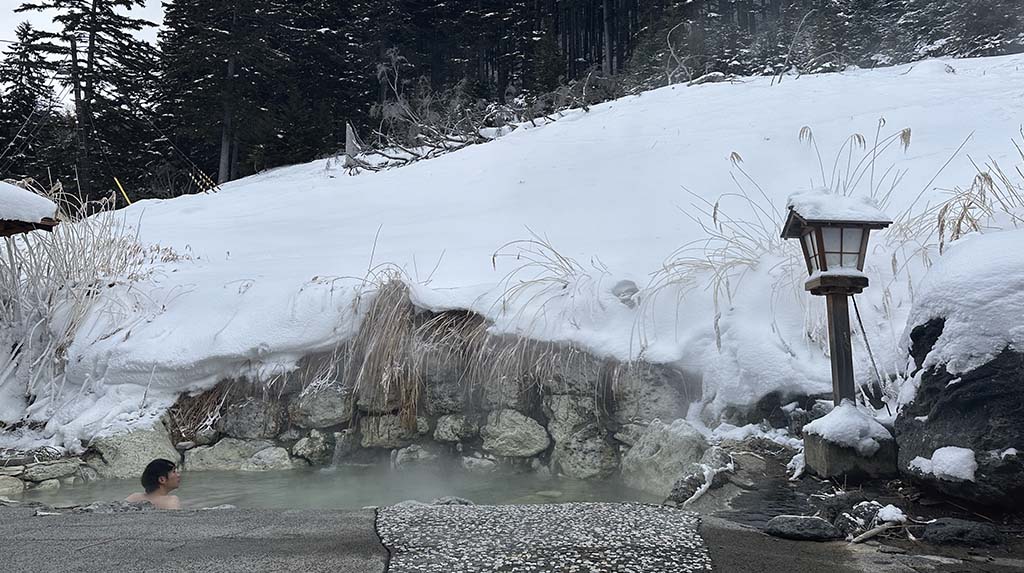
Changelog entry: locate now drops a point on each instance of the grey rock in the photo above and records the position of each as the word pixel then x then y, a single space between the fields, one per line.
pixel 502 393
pixel 290 436
pixel 455 428
pixel 452 500
pixel 48 485
pixel 253 418
pixel 586 454
pixel 228 454
pixel 661 456
pixel 182 446
pixel 51 470
pixel 385 432
pixel 125 456
pixel 802 528
pixel 12 471
pixel 951 531
pixel 829 460
pixel 206 436
pixel 511 434
pixel 11 485
pixel 628 434
pixel 317 448
pixel 414 456
pixel 442 372
pixel 582 449
pixel 647 392
pixel 322 406
pixel 378 398
pixel 980 412
pixel 346 443
pixel 269 459
pixel 858 519
pixel 479 465
pixel 626 291
pixel 575 372
pixel 87 475
pixel 716 457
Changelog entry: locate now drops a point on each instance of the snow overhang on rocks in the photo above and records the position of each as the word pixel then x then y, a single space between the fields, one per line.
pixel 22 211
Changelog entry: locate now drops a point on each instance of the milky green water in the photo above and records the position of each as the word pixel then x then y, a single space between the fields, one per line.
pixel 352 488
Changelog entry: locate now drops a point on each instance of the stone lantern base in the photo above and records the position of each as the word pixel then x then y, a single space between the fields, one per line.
pixel 829 460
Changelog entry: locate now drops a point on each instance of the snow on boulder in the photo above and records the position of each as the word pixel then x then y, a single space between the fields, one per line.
pixel 949 463
pixel 891 514
pixel 17 204
pixel 976 289
pixel 850 427
pixel 967 343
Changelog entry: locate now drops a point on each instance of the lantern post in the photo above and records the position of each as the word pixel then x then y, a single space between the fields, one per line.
pixel 833 231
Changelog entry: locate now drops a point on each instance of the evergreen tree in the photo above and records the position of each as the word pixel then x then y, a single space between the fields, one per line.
pixel 29 120
pixel 109 72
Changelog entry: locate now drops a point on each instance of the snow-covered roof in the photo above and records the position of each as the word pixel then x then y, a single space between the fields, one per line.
pixel 822 205
pixel 17 204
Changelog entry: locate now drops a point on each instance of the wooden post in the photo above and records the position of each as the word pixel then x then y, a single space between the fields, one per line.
pixel 839 343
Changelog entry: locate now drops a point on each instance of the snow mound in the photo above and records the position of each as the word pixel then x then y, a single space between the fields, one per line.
pixel 891 514
pixel 849 426
pixel 824 205
pixel 275 261
pixel 17 204
pixel 977 286
pixel 950 463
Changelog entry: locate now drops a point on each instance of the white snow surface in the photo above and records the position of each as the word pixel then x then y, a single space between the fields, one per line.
pixel 17 204
pixel 823 204
pixel 949 463
pixel 977 286
pixel 891 514
pixel 849 426
pixel 275 259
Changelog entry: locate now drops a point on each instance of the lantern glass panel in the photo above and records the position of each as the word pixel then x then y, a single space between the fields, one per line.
pixel 833 239
pixel 812 250
pixel 842 247
pixel 851 239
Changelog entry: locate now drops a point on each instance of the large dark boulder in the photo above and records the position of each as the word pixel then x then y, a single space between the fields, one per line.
pixel 982 410
pixel 951 531
pixel 802 528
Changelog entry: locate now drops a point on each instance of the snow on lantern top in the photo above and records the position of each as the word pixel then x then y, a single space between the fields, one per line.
pixel 833 232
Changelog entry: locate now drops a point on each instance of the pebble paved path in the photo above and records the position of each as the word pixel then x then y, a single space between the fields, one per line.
pixel 571 537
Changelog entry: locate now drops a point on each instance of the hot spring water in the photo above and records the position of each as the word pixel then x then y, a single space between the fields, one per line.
pixel 351 487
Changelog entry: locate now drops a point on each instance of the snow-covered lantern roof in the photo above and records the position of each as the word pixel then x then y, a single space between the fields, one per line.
pixel 22 211
pixel 833 232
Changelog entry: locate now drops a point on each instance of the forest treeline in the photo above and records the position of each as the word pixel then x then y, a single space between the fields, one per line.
pixel 236 86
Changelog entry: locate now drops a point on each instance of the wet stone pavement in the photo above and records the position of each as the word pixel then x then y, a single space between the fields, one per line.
pixel 572 537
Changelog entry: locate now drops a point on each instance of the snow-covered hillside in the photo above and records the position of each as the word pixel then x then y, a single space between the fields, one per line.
pixel 269 266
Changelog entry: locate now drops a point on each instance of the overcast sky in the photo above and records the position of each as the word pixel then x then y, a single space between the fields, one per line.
pixel 9 20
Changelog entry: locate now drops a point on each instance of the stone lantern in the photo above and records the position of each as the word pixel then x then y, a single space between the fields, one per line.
pixel 833 231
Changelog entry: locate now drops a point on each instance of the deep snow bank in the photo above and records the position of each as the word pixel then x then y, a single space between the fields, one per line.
pixel 270 266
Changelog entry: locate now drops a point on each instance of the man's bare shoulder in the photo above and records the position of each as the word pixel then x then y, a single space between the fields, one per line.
pixel 136 497
pixel 167 502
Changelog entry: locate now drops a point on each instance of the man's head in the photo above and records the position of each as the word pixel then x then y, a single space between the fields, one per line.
pixel 160 474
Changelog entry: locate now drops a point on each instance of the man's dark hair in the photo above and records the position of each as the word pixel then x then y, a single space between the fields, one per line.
pixel 154 471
